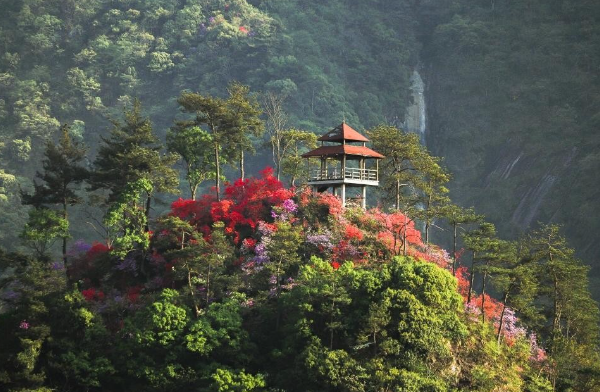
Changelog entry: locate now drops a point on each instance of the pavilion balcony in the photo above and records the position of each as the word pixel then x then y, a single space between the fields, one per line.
pixel 347 174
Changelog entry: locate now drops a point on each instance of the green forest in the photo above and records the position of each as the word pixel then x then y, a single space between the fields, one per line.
pixel 157 232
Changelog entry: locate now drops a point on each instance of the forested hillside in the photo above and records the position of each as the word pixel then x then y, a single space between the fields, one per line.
pixel 511 88
pixel 514 98
pixel 124 125
pixel 271 289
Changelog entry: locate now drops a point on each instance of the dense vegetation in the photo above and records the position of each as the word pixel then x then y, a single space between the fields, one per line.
pixel 254 286
pixel 271 289
pixel 511 88
pixel 260 287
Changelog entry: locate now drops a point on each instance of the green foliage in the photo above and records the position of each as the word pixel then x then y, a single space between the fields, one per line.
pixel 296 142
pixel 392 325
pixel 228 381
pixel 132 153
pixel 43 228
pixel 194 145
pixel 126 220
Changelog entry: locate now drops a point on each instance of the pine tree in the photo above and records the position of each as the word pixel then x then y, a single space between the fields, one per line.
pixel 570 316
pixel 244 110
pixel 132 153
pixel 482 242
pixel 62 172
pixel 399 176
pixel 514 279
pixel 431 184
pixel 457 216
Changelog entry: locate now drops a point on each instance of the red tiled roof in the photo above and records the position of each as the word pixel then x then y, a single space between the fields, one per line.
pixel 343 150
pixel 343 132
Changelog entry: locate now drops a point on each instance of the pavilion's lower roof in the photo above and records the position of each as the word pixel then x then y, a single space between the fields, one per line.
pixel 343 149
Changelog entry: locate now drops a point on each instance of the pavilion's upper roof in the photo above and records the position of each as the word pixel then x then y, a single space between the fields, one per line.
pixel 343 132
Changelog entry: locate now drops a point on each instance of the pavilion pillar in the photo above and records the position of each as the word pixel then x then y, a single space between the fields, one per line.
pixel 343 195
pixel 363 202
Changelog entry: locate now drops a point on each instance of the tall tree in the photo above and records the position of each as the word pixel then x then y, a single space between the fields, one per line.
pixel 213 113
pixel 399 176
pixel 514 279
pixel 244 111
pixel 62 172
pixel 570 317
pixel 194 145
pixel 564 284
pixel 457 216
pixel 432 186
pixel 277 120
pixel 481 242
pixel 132 153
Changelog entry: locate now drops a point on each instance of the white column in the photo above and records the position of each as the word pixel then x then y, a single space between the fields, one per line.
pixel 364 197
pixel 343 195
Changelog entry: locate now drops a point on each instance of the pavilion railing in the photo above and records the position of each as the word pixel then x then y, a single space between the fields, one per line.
pixel 347 173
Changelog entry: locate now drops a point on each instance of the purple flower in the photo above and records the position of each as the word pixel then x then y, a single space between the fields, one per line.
pixel 273 292
pixel 262 255
pixel 78 247
pixel 510 327
pixel 273 279
pixel 289 206
pixel 24 325
pixel 322 240
pixel 128 264
pixel 211 19
pixel 538 354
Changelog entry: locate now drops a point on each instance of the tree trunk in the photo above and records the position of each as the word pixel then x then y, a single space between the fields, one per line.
pixel 217 172
pixel 556 315
pixel 404 236
pixel 192 293
pixel 331 318
pixel 242 171
pixel 454 250
pixel 147 212
pixel 427 232
pixel 483 296
pixel 398 194
pixel 504 300
pixel 471 277
pixel 193 186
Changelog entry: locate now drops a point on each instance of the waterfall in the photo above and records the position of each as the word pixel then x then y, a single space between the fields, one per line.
pixel 416 117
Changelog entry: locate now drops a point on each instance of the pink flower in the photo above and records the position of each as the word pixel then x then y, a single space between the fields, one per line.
pixel 24 325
